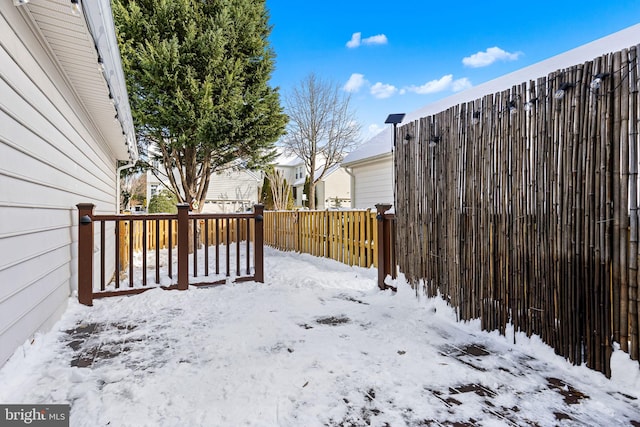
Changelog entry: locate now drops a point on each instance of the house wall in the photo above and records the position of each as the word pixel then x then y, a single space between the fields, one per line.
pixel 373 183
pixel 298 191
pixel 232 191
pixel 336 185
pixel 51 158
pixel 229 191
pixel 294 174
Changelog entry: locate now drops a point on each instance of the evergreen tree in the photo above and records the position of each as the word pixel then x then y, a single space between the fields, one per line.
pixel 163 202
pixel 266 196
pixel 198 79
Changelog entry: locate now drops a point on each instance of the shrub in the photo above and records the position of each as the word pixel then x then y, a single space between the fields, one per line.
pixel 163 202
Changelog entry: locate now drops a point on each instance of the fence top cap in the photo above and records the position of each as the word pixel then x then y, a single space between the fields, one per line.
pixel 385 208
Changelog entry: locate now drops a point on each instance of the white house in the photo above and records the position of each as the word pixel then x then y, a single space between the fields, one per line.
pixel 231 190
pixel 371 165
pixel 61 88
pixel 332 191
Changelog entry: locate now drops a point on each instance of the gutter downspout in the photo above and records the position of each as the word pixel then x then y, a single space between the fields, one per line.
pixel 352 186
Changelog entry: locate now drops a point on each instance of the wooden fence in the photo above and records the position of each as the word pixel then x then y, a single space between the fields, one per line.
pixel 216 247
pixel 352 237
pixel 347 236
pixel 522 208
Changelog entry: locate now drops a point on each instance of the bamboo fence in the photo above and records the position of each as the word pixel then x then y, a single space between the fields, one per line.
pixel 522 208
pixel 347 236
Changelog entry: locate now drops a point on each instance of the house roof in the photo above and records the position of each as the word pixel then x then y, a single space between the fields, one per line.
pixel 85 49
pixel 381 144
pixel 287 160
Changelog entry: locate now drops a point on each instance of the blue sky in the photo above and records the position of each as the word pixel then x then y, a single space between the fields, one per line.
pixel 398 56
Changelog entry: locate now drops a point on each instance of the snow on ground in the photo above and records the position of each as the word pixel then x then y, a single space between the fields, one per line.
pixel 317 344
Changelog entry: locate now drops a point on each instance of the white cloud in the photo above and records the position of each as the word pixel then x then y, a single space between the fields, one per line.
pixel 371 131
pixel 382 91
pixel 444 83
pixel 377 39
pixel 461 84
pixel 489 56
pixel 357 40
pixel 355 83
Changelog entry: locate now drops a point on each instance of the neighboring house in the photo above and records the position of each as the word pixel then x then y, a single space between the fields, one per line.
pixel 293 169
pixel 61 86
pixel 332 191
pixel 231 190
pixel 371 165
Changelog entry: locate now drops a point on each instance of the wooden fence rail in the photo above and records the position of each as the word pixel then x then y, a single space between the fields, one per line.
pixel 522 208
pixel 203 245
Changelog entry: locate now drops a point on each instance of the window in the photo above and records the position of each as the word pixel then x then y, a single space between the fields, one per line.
pixel 154 189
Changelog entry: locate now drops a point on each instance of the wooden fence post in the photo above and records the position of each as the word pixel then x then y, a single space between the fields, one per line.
pixel 183 246
pixel 327 234
pixel 384 245
pixel 258 244
pixel 85 253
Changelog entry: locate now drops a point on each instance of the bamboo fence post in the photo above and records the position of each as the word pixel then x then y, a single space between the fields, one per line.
pixel 590 248
pixel 633 203
pixel 622 128
pixel 608 318
pixel 577 216
pixel 613 125
pixel 589 228
pixel 602 279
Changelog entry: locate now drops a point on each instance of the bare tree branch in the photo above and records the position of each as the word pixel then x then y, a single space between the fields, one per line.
pixel 322 127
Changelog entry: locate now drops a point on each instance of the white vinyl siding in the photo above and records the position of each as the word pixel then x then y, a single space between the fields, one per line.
pixel 336 184
pixel 51 158
pixel 239 189
pixel 229 191
pixel 373 183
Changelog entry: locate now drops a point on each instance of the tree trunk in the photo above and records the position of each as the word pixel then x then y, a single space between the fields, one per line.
pixel 312 195
pixel 312 184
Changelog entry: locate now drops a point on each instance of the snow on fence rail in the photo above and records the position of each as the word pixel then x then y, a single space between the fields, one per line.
pixel 181 249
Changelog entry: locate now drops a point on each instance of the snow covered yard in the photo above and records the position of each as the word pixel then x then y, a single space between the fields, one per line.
pixel 317 344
